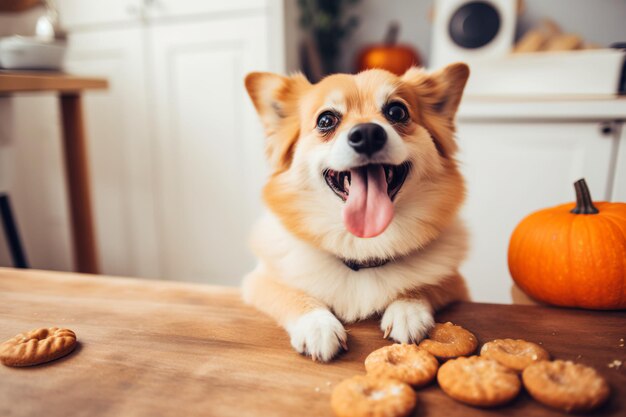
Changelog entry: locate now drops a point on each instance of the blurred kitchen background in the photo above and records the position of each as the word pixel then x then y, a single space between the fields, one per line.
pixel 176 153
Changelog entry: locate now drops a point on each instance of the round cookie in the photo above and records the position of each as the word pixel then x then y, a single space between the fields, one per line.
pixel 565 385
pixel 478 381
pixel 368 396
pixel 37 346
pixel 447 341
pixel 514 354
pixel 405 362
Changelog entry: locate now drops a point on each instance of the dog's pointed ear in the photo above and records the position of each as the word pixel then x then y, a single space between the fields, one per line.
pixel 441 90
pixel 274 97
pixel 438 95
pixel 453 79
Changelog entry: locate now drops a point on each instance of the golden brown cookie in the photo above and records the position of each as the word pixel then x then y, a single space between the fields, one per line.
pixel 447 341
pixel 478 381
pixel 514 354
pixel 37 346
pixel 369 396
pixel 405 362
pixel 565 385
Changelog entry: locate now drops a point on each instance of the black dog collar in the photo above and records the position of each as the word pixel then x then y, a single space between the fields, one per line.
pixel 370 263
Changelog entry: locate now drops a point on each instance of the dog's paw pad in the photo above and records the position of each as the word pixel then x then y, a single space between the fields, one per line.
pixel 407 321
pixel 318 334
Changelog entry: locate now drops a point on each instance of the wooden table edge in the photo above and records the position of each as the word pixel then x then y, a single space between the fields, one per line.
pixel 12 82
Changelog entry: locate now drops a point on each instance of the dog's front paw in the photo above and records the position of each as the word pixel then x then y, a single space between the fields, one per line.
pixel 407 321
pixel 318 334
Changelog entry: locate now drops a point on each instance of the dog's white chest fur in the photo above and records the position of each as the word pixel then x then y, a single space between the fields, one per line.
pixel 355 295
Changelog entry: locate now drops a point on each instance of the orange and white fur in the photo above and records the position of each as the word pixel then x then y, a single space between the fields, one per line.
pixel 395 216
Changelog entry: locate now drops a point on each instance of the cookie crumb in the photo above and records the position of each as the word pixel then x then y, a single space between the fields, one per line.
pixel 317 389
pixel 615 364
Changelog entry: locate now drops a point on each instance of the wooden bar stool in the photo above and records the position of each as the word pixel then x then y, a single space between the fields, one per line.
pixel 69 88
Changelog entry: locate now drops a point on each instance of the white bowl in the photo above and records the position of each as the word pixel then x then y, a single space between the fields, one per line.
pixel 20 52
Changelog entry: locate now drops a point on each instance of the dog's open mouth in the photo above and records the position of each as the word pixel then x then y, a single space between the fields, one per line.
pixel 340 181
pixel 368 192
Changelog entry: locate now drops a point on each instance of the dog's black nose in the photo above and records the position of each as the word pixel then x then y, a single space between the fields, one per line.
pixel 367 138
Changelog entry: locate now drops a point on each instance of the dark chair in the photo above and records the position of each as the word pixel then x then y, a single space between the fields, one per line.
pixel 11 233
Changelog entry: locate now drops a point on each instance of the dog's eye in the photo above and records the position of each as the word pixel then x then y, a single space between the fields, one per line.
pixel 396 112
pixel 327 121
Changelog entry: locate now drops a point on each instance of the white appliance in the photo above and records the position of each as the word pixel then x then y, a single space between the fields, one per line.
pixel 472 31
pixel 21 52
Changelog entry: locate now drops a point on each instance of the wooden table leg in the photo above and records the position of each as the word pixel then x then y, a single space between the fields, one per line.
pixel 77 172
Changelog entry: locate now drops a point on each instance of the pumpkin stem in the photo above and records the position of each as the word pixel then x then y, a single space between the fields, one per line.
pixel 391 38
pixel 584 205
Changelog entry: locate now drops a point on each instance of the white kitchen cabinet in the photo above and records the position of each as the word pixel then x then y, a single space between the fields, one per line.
pixel 515 164
pixel 176 149
pixel 183 8
pixel 120 149
pixel 91 14
pixel 209 147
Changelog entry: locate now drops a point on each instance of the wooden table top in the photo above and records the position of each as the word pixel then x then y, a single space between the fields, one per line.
pixel 156 348
pixel 40 81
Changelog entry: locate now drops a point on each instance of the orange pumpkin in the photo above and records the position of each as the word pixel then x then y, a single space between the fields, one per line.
pixel 390 55
pixel 573 255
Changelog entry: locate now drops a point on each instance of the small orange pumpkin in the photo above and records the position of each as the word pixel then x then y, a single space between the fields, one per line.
pixel 573 255
pixel 390 55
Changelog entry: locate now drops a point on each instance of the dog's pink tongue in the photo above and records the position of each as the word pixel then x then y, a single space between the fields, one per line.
pixel 368 210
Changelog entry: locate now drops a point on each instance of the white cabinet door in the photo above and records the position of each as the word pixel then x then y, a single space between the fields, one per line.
pixel 180 8
pixel 513 169
pixel 93 13
pixel 120 149
pixel 210 145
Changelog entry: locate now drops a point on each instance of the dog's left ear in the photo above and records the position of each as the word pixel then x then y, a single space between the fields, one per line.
pixel 439 95
pixel 441 90
pixel 452 80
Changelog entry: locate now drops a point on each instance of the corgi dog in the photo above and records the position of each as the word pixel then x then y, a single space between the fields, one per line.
pixel 363 199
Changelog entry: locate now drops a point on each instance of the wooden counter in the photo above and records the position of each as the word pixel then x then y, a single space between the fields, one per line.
pixel 154 348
